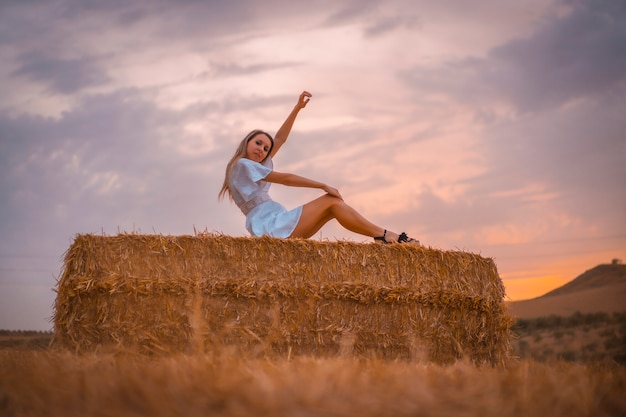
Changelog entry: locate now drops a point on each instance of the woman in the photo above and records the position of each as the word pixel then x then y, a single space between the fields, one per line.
pixel 247 181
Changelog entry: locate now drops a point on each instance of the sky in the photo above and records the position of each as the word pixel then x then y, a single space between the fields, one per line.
pixel 497 129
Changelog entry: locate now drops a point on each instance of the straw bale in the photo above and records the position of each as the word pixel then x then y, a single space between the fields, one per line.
pixel 164 294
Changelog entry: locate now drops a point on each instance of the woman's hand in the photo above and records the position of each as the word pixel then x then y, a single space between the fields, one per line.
pixel 303 99
pixel 332 191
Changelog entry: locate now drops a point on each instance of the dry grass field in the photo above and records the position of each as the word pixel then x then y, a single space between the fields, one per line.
pixel 586 338
pixel 39 380
pixel 60 383
pixel 568 366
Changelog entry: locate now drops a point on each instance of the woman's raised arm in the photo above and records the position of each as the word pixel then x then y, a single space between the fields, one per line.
pixel 285 129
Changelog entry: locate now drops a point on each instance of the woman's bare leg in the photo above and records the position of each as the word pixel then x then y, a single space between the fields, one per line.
pixel 320 211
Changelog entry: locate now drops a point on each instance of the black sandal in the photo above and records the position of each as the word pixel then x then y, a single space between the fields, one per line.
pixel 382 238
pixel 403 238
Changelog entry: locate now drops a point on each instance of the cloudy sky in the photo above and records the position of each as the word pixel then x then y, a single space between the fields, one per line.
pixel 498 128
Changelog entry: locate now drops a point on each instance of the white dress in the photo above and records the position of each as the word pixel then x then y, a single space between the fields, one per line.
pixel 264 216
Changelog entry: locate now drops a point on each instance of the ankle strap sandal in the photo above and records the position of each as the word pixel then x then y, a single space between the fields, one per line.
pixel 382 238
pixel 403 238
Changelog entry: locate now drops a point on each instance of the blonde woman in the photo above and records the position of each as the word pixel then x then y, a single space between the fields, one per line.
pixel 250 172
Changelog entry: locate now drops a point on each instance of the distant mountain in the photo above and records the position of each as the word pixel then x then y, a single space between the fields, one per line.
pixel 600 289
pixel 600 276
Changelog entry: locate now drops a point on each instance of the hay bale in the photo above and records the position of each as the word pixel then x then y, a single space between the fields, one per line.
pixel 154 293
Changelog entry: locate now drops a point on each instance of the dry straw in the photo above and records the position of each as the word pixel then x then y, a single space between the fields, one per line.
pixel 164 294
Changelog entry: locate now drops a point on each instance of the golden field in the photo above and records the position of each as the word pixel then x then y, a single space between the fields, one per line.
pixel 50 382
pixel 558 375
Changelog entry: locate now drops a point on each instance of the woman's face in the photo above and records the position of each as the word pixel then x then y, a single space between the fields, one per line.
pixel 258 147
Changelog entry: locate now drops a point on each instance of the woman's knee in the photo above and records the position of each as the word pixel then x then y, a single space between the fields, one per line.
pixel 324 204
pixel 323 207
pixel 333 201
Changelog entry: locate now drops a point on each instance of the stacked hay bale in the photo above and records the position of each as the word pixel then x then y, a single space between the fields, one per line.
pixel 154 293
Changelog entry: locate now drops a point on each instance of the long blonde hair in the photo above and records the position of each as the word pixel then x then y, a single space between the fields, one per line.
pixel 241 153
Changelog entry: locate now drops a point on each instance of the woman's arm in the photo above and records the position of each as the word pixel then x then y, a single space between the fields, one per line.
pixel 281 136
pixel 293 180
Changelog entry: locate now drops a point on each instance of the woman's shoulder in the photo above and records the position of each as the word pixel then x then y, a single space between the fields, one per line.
pixel 267 163
pixel 246 169
pixel 243 164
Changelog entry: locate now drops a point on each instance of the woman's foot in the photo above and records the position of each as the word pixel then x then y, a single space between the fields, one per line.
pixel 390 237
pixel 403 238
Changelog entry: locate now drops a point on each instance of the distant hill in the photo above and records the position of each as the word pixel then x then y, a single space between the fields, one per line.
pixel 600 289
pixel 600 276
